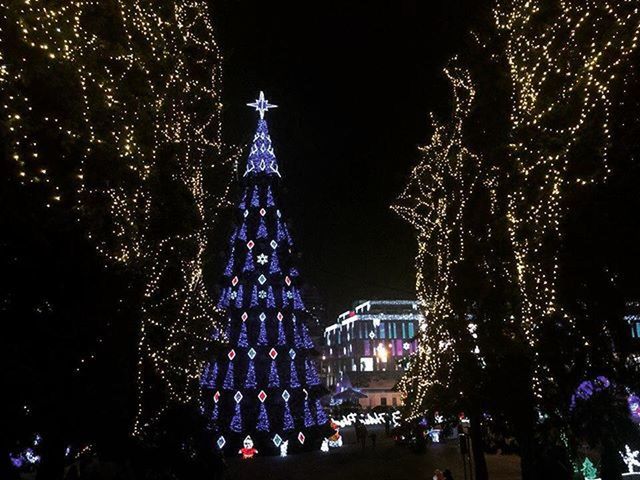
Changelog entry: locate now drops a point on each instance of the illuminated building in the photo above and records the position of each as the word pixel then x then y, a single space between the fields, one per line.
pixel 375 336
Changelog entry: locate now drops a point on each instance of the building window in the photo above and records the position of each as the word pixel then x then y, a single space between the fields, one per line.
pixel 383 401
pixel 366 364
pixel 411 332
pixel 394 401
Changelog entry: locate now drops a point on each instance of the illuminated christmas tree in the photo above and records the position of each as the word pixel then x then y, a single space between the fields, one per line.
pixel 265 383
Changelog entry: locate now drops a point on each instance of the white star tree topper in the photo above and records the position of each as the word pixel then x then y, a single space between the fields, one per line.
pixel 261 104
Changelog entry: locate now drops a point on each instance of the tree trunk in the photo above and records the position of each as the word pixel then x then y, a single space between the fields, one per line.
pixel 52 456
pixel 524 423
pixel 611 465
pixel 477 449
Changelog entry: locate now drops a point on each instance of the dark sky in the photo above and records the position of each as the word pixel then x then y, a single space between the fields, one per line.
pixel 354 82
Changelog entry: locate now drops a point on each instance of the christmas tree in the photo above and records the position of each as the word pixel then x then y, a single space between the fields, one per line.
pixel 264 384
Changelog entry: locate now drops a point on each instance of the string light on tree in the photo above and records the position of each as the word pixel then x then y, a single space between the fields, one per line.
pixel 569 53
pixel 133 110
pixel 434 203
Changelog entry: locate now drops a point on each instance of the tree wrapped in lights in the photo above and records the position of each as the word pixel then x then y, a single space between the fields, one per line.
pixel 564 60
pixel 111 111
pixel 445 371
pixel 265 322
pixel 434 202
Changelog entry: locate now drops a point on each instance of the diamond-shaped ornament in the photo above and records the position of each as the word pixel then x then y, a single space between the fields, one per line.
pixel 263 212
pixel 280 316
pixel 246 213
pixel 251 353
pixel 262 279
pixel 250 244
pixel 216 397
pixel 221 441
pixel 262 317
pixel 273 353
pixel 287 280
pixel 301 437
pixel 292 353
pixel 274 244
pixel 278 213
pixel 262 396
pixel 277 440
pixel 235 281
pixel 286 396
pixel 238 396
pixel 244 316
pixel 372 335
pixel 231 354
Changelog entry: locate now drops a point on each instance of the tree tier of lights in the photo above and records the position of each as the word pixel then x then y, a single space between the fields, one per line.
pixel 264 384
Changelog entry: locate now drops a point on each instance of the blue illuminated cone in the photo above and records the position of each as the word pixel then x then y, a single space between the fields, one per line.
pixel 265 381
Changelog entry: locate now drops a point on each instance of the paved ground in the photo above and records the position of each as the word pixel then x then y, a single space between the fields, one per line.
pixel 386 462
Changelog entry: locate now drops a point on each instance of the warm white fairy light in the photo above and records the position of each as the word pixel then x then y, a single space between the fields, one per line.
pixel 434 203
pixel 564 59
pixel 145 97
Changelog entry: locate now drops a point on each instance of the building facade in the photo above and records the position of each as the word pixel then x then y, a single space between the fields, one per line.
pixel 375 336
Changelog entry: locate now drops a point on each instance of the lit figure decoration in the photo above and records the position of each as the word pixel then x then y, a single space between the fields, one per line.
pixel 588 470
pixel 247 450
pixel 630 459
pixel 334 440
pixel 284 448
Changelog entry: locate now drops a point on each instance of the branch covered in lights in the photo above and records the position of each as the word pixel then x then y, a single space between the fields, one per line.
pixel 564 61
pixel 434 202
pixel 112 110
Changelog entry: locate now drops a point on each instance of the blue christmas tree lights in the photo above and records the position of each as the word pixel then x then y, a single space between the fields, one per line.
pixel 270 346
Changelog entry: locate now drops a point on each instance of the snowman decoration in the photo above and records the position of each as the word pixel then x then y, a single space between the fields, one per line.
pixel 284 448
pixel 248 450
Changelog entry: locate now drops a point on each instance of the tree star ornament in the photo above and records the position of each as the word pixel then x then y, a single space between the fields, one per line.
pixel 261 104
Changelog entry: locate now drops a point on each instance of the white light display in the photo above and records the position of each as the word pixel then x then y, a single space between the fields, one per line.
pixel 373 418
pixel 141 90
pixel 436 209
pixel 572 54
pixel 630 459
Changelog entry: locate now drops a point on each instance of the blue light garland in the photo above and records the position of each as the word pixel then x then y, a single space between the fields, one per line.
pixel 228 383
pixel 274 378
pixel 263 419
pixel 250 381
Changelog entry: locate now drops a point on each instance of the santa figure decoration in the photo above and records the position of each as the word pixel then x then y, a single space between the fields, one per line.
pixel 248 451
pixel 335 440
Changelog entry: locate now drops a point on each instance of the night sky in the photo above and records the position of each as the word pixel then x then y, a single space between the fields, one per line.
pixel 354 82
